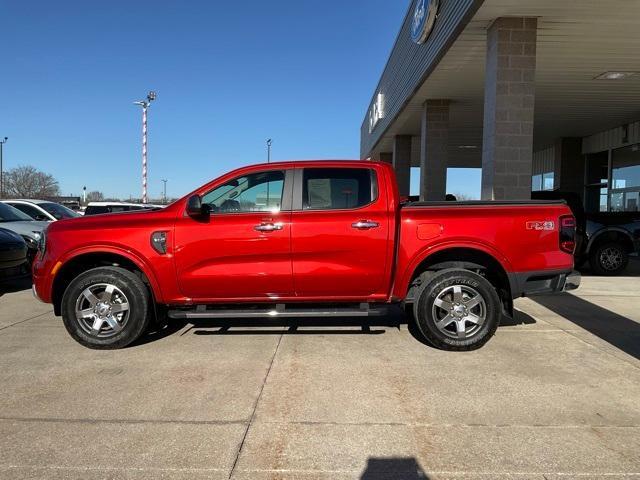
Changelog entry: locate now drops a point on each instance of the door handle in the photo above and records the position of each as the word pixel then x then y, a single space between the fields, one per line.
pixel 365 224
pixel 268 227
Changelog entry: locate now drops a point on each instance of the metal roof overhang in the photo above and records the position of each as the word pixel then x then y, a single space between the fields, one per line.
pixel 577 41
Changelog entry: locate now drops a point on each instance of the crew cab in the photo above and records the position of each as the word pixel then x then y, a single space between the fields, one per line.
pixel 302 239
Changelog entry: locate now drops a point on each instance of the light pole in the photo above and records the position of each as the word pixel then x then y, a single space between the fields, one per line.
pixel 164 191
pixel 2 142
pixel 269 150
pixel 151 96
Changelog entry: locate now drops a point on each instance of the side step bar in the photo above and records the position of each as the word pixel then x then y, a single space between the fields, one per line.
pixel 280 310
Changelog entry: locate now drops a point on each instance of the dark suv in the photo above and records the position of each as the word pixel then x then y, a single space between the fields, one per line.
pixel 605 239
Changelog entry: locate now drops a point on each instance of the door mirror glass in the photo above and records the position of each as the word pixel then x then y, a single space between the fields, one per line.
pixel 195 208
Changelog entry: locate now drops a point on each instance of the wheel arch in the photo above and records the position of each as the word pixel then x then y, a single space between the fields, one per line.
pixel 467 258
pixel 610 234
pixel 85 260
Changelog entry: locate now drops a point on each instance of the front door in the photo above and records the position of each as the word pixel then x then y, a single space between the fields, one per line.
pixel 340 234
pixel 243 250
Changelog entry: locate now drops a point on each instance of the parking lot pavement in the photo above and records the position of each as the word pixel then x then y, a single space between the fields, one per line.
pixel 556 394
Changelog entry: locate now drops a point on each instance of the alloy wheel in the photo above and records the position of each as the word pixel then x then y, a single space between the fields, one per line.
pixel 459 311
pixel 102 310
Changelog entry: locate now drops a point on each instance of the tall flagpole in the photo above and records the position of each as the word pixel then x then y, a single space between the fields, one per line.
pixel 145 105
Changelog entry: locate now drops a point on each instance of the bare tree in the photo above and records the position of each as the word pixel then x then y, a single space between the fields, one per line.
pixel 95 196
pixel 462 197
pixel 29 182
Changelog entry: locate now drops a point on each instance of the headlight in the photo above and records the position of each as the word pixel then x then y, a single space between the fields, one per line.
pixel 42 242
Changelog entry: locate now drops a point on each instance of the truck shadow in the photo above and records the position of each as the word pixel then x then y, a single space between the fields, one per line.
pixel 405 468
pixel 307 326
pixel 617 330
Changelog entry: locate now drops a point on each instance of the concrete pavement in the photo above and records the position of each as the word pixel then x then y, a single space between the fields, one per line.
pixel 554 395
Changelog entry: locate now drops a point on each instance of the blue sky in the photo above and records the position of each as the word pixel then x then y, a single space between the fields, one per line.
pixel 229 75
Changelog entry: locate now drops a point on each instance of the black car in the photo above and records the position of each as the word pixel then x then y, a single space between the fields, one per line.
pixel 13 256
pixel 605 239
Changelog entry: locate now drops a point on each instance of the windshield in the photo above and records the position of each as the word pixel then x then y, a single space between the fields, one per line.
pixel 10 214
pixel 57 210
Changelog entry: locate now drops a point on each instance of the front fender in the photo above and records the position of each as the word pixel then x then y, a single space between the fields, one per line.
pixel 137 259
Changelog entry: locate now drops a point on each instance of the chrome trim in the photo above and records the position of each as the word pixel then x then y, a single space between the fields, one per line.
pixel 35 293
pixel 572 281
pixel 365 224
pixel 268 227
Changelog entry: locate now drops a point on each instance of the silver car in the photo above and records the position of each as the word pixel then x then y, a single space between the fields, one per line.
pixel 22 224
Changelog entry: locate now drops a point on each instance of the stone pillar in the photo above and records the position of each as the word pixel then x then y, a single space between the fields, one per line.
pixel 402 162
pixel 434 145
pixel 386 157
pixel 509 94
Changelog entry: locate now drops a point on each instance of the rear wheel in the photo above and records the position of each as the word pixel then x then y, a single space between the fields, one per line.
pixel 457 310
pixel 106 308
pixel 609 259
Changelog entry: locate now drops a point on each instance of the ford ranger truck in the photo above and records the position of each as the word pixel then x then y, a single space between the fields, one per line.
pixel 304 239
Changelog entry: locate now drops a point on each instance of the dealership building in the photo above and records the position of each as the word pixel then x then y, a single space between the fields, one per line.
pixel 540 94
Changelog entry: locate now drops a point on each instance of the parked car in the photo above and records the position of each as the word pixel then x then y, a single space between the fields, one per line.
pixel 22 224
pixel 42 210
pixel 13 256
pixel 301 239
pixel 604 239
pixel 94 208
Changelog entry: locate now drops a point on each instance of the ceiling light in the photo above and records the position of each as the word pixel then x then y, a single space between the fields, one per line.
pixel 614 75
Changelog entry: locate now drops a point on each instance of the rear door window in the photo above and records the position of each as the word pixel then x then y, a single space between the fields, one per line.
pixel 338 188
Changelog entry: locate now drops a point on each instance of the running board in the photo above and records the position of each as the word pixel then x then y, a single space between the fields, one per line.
pixel 280 310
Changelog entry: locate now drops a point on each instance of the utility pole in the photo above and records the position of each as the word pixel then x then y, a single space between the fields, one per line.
pixel 2 142
pixel 269 150
pixel 164 191
pixel 151 96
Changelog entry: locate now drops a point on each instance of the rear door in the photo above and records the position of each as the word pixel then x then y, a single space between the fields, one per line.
pixel 339 233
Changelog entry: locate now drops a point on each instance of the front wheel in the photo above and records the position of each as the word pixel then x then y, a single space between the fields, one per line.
pixel 457 310
pixel 106 308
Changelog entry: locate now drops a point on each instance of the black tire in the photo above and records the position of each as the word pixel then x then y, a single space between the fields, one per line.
pixel 609 259
pixel 133 290
pixel 469 284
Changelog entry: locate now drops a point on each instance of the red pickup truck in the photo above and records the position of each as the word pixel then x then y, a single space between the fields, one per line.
pixel 302 239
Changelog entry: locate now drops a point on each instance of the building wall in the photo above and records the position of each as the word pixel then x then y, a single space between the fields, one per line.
pixel 409 63
pixel 615 138
pixel 543 161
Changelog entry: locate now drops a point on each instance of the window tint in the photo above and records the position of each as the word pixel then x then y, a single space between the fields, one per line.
pixel 96 209
pixel 28 209
pixel 258 192
pixel 57 210
pixel 338 188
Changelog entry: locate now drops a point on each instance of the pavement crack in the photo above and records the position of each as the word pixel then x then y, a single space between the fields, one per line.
pixel 25 320
pixel 255 407
pixel 133 421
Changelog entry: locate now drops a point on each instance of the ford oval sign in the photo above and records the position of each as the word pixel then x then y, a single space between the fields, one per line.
pixel 424 17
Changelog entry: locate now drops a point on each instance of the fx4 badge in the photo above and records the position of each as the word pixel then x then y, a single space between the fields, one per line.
pixel 541 225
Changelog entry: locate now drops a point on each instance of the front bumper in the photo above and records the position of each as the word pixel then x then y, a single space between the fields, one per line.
pixel 543 283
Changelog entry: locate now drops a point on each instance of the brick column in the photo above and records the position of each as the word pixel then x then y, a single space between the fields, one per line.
pixel 509 95
pixel 434 145
pixel 402 162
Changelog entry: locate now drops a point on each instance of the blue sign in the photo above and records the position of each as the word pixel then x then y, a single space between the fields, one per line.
pixel 424 16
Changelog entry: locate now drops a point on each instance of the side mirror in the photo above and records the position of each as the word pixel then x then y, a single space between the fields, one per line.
pixel 195 208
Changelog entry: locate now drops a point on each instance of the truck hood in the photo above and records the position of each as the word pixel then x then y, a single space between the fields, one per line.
pixel 109 221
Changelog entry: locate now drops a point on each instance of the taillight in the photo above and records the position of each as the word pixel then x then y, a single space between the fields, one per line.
pixel 568 233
